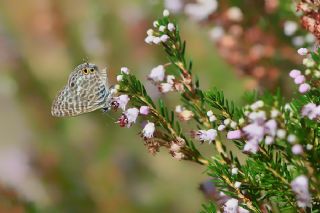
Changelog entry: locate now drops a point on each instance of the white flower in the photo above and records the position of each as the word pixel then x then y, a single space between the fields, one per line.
pixel 156 24
pixel 233 124
pixel 150 32
pixel 132 115
pixel 157 73
pixel 303 51
pixel 231 206
pixel 179 108
pixel 119 78
pixel 274 113
pixel 290 27
pixel 209 113
pixel 165 87
pixel 124 70
pixel 207 135
pixel 162 28
pixel 227 121
pixel 268 140
pixel 241 121
pixel 185 115
pixel 234 14
pixel 166 13
pixel 308 62
pixel 221 127
pixel 300 187
pixel 256 105
pixel 237 184
pixel 122 101
pixel 242 210
pixel 292 138
pixel 156 40
pixel 164 38
pixel 171 27
pixel 234 171
pixel 309 146
pixel 281 133
pixel 149 39
pixel 170 79
pixel 148 130
pixel 201 10
pixel 216 33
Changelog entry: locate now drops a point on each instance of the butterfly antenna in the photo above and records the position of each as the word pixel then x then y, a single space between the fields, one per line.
pixel 85 60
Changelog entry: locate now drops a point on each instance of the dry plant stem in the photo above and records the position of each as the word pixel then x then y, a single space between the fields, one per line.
pixel 191 155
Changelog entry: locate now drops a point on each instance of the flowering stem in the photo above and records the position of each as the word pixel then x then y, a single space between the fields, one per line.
pixel 246 200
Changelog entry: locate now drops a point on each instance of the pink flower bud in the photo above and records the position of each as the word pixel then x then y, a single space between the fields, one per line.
pixel 144 110
pixel 294 73
pixel 232 135
pixel 303 88
pixel 297 149
pixel 299 79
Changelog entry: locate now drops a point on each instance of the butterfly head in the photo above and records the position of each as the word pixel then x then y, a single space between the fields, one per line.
pixel 83 73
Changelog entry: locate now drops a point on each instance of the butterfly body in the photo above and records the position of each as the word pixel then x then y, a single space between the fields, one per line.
pixel 87 90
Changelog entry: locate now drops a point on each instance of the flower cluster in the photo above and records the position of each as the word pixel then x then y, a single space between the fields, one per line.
pixel 311 110
pixel 281 144
pixel 300 80
pixel 162 31
pixel 300 187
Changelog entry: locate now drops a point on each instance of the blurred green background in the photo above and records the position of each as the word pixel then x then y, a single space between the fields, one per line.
pixel 88 163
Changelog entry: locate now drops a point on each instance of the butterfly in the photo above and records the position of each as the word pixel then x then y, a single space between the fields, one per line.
pixel 87 90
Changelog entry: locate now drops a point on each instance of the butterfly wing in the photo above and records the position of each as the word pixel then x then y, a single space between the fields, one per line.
pixel 80 99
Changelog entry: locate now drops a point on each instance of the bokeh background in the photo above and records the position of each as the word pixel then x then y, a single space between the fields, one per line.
pixel 88 163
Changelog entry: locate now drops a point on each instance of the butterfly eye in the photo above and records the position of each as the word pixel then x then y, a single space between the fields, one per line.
pixel 91 70
pixel 85 71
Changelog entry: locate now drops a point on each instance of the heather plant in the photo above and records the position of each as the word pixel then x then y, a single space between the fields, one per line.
pixel 278 137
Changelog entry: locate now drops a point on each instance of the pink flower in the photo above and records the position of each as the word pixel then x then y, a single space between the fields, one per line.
pixel 231 206
pixel 128 117
pixel 299 79
pixel 157 74
pixel 310 110
pixel 303 51
pixel 297 149
pixel 144 110
pixel 124 70
pixel 164 38
pixel 148 130
pixel 303 88
pixel 120 102
pixel 206 135
pixel 252 146
pixel 171 27
pixel 271 127
pixel 232 135
pixel 254 131
pixel 294 73
pixel 300 187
